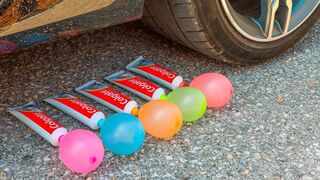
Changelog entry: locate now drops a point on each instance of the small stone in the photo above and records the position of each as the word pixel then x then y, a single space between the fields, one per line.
pixel 280 100
pixel 243 161
pixel 50 174
pixel 267 158
pixel 305 177
pixel 138 172
pixel 229 156
pixel 134 157
pixel 29 130
pixel 3 175
pixel 169 158
pixel 89 178
pixel 246 172
pixel 127 172
pixel 312 85
pixel 46 159
pixel 290 154
pixel 54 157
pixel 172 164
pixel 194 162
pixel 182 160
pixel 67 172
pixel 257 156
pixel 173 141
pixel 241 101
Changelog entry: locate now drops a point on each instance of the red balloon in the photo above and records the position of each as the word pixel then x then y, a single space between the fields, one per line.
pixel 216 87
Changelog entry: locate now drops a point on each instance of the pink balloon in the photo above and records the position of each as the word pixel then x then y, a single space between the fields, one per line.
pixel 81 151
pixel 216 87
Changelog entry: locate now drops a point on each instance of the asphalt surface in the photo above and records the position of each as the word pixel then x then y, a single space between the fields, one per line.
pixel 270 129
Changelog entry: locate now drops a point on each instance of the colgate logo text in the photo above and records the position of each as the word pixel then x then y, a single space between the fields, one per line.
pixel 115 96
pixel 163 72
pixel 84 106
pixel 47 120
pixel 143 85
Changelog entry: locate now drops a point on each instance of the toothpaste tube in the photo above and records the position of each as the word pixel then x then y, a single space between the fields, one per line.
pixel 136 85
pixel 40 122
pixel 156 73
pixel 105 95
pixel 78 109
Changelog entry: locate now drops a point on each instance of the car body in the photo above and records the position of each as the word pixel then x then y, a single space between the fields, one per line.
pixel 41 21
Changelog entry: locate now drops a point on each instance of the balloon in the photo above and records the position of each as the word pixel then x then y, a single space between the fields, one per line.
pixel 7 47
pixel 161 118
pixel 216 87
pixel 122 134
pixel 81 151
pixel 191 102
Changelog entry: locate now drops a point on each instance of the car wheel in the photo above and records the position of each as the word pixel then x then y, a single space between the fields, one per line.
pixel 236 31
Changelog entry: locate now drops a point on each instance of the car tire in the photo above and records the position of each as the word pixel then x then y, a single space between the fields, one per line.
pixel 202 25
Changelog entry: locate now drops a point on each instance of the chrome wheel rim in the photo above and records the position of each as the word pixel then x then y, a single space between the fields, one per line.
pixel 268 20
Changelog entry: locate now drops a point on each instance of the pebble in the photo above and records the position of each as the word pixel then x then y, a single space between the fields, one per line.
pixel 246 172
pixel 169 158
pixel 305 177
pixel 280 100
pixel 46 159
pixel 257 156
pixel 50 174
pixel 229 156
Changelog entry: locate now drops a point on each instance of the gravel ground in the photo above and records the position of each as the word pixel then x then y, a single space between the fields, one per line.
pixel 270 130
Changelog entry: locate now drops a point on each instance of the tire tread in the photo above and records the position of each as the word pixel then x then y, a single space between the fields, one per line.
pixel 177 20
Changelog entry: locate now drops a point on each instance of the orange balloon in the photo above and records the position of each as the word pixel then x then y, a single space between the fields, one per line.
pixel 161 118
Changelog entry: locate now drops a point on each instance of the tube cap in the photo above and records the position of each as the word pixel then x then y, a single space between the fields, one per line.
pixel 135 111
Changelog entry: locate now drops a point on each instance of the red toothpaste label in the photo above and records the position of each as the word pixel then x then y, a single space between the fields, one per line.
pixel 158 71
pixel 76 104
pixel 40 118
pixel 107 94
pixel 137 84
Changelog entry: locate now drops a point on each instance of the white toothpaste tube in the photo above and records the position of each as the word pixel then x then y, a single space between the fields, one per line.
pixel 40 122
pixel 136 85
pixel 78 109
pixel 156 73
pixel 108 97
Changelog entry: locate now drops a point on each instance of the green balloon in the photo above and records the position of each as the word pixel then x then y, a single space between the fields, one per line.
pixel 191 101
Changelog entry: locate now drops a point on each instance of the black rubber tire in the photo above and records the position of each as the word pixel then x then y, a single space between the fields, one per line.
pixel 203 26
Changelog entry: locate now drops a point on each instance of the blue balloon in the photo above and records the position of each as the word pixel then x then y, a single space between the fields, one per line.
pixel 122 134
